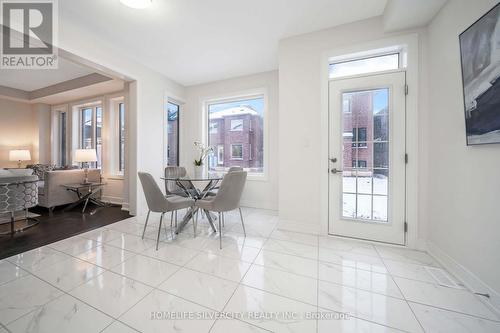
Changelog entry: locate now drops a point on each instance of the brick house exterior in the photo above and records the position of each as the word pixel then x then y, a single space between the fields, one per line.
pixel 364 132
pixel 237 137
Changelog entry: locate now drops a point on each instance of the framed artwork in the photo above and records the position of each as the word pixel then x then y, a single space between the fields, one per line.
pixel 480 59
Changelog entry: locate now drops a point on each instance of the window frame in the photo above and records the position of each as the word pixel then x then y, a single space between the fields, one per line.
pixel 234 97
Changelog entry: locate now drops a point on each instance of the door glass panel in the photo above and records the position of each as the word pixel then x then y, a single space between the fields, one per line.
pixel 349 181
pixel 365 131
pixel 380 181
pixel 380 208
pixel 349 205
pixel 381 155
pixel 364 207
pixel 364 183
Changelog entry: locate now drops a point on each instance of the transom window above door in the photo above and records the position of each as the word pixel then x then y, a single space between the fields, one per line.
pixel 373 64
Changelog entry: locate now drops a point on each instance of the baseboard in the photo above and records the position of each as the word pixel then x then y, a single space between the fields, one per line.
pixel 469 279
pixel 125 206
pixel 261 205
pixel 112 200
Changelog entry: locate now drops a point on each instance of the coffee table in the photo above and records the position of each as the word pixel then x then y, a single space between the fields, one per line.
pixel 85 193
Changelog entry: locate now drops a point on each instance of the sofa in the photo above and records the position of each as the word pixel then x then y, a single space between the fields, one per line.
pixel 51 193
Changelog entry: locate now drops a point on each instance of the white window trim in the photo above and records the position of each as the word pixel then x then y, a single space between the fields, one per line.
pixel 235 96
pixel 113 145
pixel 172 98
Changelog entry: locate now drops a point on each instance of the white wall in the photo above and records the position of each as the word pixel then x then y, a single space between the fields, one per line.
pixel 463 183
pixel 42 118
pixel 24 126
pixel 301 131
pixel 258 193
pixel 16 129
pixel 146 104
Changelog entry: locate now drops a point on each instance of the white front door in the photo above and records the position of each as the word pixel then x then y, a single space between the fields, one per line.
pixel 367 157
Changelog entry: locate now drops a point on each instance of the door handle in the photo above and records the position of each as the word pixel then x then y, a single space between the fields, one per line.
pixel 333 160
pixel 335 171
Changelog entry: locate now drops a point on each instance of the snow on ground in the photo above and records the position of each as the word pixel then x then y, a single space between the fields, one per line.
pixel 365 198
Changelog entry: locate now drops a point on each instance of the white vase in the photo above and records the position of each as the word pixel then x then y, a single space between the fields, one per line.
pixel 199 171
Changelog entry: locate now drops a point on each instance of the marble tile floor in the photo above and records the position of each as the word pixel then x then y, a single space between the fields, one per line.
pixel 110 280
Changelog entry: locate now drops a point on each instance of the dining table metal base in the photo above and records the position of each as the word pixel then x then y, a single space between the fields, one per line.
pixel 191 212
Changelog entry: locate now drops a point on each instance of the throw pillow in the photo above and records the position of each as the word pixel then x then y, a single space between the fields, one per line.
pixel 40 169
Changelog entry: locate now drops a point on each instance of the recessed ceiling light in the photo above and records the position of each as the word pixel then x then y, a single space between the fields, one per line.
pixel 138 4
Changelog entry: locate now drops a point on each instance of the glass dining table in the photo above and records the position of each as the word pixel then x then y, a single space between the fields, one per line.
pixel 196 188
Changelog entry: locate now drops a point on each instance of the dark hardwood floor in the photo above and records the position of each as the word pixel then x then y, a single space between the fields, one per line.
pixel 57 227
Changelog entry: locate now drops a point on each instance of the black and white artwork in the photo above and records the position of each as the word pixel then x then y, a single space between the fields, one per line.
pixel 480 54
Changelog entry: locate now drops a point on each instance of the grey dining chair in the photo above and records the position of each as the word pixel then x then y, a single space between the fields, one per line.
pixel 227 198
pixel 213 192
pixel 235 168
pixel 171 186
pixel 159 203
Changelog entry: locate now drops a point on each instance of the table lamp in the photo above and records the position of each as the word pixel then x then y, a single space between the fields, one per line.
pixel 85 156
pixel 19 155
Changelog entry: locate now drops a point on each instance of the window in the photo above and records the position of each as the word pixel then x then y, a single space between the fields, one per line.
pixel 237 152
pixel 213 127
pixel 367 65
pixel 98 136
pixel 359 137
pixel 173 134
pixel 91 131
pixel 239 133
pixel 237 125
pixel 87 128
pixel 220 155
pixel 121 137
pixel 62 139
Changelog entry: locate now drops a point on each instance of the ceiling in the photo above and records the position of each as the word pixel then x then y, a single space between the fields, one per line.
pixel 96 89
pixel 197 41
pixel 29 80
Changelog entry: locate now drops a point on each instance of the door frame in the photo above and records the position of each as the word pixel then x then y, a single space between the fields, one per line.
pixel 409 44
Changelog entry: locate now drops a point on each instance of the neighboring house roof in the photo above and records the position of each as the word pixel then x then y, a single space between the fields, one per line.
pixel 236 111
